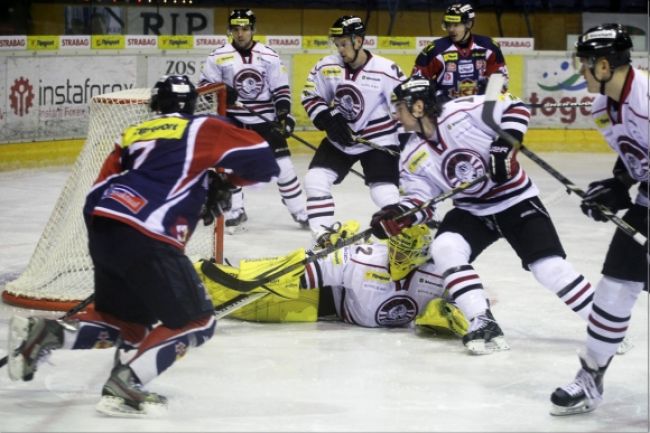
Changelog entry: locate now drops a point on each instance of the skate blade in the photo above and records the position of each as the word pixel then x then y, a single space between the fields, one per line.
pixel 233 230
pixel 624 347
pixel 18 330
pixel 481 347
pixel 583 407
pixel 115 407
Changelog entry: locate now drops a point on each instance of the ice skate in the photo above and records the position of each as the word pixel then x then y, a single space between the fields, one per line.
pixel 301 218
pixel 625 346
pixel 30 341
pixel 235 219
pixel 123 396
pixel 484 335
pixel 582 395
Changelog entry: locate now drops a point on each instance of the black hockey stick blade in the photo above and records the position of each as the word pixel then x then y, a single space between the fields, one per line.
pixel 236 303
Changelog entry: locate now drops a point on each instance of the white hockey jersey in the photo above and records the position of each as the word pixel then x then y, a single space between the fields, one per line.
pixel 261 80
pixel 363 292
pixel 460 152
pixel 362 96
pixel 625 126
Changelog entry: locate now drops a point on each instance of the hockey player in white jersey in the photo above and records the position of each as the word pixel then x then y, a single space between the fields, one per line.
pixel 450 145
pixel 347 95
pixel 380 284
pixel 621 114
pixel 258 81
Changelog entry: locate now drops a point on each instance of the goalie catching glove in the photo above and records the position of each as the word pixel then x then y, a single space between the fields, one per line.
pixel 610 193
pixel 503 161
pixel 218 198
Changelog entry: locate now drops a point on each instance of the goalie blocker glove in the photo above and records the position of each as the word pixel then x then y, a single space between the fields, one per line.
pixel 503 161
pixel 611 193
pixel 219 197
pixel 335 126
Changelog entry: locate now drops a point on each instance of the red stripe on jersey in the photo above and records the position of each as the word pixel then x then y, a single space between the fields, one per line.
pixel 597 324
pixel 459 280
pixel 505 187
pixel 518 110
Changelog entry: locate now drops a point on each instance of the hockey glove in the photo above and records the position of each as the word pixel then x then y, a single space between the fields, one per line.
pixel 218 199
pixel 503 161
pixel 231 96
pixel 611 193
pixel 336 127
pixel 385 222
pixel 286 123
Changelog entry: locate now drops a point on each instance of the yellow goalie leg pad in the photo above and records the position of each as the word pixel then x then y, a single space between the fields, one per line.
pixel 219 293
pixel 440 316
pixel 276 309
pixel 287 285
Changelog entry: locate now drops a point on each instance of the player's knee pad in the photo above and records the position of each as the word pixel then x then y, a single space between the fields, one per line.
pixel 287 170
pixel 449 250
pixel 319 181
pixel 384 193
pixel 617 296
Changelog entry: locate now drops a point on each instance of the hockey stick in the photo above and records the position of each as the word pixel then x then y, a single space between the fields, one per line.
pixel 375 146
pixel 291 134
pixel 236 303
pixel 71 312
pixel 491 95
pixel 244 286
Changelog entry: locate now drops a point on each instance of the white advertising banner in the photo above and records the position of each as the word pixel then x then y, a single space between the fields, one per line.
pixel 46 102
pixel 552 80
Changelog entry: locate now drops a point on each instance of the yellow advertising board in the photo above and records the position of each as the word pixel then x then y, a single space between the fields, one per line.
pixel 108 42
pixel 42 43
pixel 176 42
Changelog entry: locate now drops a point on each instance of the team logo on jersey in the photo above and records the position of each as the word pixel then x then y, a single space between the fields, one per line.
pixel 349 101
pixel 126 196
pixel 249 83
pixel 463 165
pixel 450 67
pixel 396 311
pixel 635 158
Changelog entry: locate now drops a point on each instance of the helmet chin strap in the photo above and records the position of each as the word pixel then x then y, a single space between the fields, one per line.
pixel 356 52
pixel 603 83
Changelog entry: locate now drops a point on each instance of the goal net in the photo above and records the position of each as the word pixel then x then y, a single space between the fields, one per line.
pixel 60 271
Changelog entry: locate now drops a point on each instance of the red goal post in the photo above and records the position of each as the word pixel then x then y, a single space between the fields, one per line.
pixel 60 272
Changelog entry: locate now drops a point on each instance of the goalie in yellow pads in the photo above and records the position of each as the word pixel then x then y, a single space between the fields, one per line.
pixel 380 284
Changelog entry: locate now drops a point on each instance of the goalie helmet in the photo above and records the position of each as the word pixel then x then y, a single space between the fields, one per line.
pixel 458 13
pixel 417 88
pixel 173 94
pixel 347 25
pixel 408 250
pixel 610 41
pixel 242 17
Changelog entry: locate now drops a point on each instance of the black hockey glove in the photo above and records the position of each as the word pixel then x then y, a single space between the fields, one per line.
pixel 218 199
pixel 231 96
pixel 336 127
pixel 285 122
pixel 611 193
pixel 503 161
pixel 385 224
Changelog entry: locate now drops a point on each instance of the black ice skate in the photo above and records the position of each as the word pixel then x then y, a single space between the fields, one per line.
pixel 124 396
pixel 301 218
pixel 582 395
pixel 30 341
pixel 235 219
pixel 484 335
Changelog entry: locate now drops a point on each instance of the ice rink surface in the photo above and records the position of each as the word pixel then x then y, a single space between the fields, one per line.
pixel 333 377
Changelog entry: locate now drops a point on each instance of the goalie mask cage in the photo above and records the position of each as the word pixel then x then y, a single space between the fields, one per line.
pixel 60 271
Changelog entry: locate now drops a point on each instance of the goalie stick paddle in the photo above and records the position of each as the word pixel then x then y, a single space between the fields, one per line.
pixel 291 134
pixel 215 273
pixel 495 83
pixel 72 311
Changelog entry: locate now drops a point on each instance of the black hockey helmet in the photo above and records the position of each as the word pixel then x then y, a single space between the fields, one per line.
pixel 610 41
pixel 458 13
pixel 347 25
pixel 417 88
pixel 173 94
pixel 242 17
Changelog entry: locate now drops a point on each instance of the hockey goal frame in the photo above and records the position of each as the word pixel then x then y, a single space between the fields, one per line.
pixel 211 100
